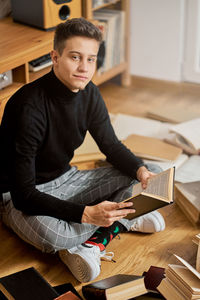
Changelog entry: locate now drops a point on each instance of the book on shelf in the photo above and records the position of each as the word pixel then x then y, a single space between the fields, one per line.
pixel 114 23
pixel 27 284
pixel 120 286
pixel 181 282
pixel 159 193
pixel 169 114
pixel 187 196
pixel 152 148
pixel 189 170
pixel 186 136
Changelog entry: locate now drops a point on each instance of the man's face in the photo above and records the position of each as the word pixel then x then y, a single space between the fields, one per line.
pixel 77 64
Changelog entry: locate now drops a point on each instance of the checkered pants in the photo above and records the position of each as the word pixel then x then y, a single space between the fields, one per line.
pixel 50 234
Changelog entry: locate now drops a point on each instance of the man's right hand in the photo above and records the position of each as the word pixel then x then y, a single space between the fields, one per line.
pixel 106 213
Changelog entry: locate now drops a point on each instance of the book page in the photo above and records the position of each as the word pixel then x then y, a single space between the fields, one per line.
pixel 157 185
pixel 170 164
pixel 125 125
pixel 190 131
pixel 189 171
pixel 185 263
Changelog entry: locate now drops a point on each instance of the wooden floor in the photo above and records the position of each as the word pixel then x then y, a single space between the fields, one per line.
pixel 134 252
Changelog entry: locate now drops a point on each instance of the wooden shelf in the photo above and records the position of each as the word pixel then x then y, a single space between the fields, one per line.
pixel 20 44
pixel 100 78
pixel 35 75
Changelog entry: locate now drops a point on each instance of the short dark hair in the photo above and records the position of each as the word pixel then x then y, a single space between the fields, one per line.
pixel 75 27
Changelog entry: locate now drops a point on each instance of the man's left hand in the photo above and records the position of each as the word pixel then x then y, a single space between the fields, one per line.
pixel 143 175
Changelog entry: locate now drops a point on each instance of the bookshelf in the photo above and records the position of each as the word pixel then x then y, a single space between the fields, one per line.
pixel 123 67
pixel 20 44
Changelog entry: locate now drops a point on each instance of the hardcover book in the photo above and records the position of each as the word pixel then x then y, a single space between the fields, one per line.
pixel 119 286
pixel 27 284
pixel 159 193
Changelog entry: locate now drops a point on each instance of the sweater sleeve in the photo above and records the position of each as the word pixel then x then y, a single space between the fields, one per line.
pixel 115 151
pixel 30 133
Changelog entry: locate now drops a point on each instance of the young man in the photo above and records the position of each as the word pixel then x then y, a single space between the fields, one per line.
pixel 48 203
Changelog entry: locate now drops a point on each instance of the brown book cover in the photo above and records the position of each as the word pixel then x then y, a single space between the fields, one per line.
pixel 159 193
pixel 153 277
pixel 119 286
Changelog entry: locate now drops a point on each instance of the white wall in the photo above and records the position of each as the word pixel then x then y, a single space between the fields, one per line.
pixel 157 38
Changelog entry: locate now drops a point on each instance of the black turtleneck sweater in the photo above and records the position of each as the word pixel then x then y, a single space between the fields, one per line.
pixel 43 123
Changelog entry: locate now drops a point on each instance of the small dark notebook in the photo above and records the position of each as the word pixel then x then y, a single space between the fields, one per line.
pixel 27 284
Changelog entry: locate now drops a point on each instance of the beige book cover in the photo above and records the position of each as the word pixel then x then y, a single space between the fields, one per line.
pixel 169 114
pixel 152 148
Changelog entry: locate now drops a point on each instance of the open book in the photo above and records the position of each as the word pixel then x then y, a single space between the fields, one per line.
pixel 159 193
pixel 186 136
pixel 181 282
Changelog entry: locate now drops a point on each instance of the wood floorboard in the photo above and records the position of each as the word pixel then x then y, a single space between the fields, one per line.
pixel 134 252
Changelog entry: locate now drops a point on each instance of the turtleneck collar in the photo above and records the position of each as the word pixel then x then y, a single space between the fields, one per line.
pixel 57 88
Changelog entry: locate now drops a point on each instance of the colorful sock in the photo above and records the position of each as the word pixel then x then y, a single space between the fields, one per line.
pixel 104 235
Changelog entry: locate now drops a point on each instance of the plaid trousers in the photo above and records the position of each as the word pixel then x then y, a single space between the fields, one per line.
pixel 49 234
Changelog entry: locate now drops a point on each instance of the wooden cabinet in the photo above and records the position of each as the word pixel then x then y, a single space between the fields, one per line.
pixel 123 67
pixel 20 44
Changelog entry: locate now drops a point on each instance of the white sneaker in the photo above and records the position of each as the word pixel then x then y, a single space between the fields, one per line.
pixel 84 261
pixel 149 223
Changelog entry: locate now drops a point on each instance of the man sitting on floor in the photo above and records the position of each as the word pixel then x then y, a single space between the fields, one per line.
pixel 46 202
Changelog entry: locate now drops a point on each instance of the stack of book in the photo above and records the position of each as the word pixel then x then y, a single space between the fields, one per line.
pixel 196 240
pixel 182 282
pixel 187 196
